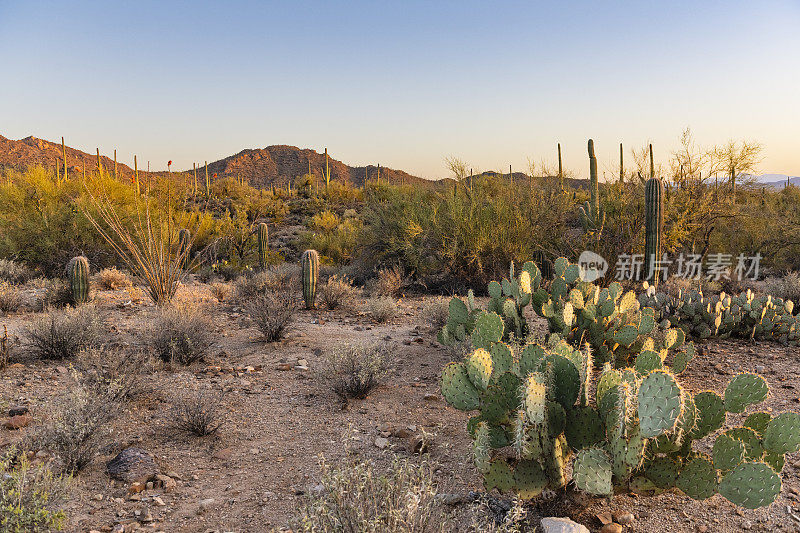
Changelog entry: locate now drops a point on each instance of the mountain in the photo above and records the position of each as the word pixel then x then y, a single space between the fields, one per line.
pixel 261 167
pixel 777 181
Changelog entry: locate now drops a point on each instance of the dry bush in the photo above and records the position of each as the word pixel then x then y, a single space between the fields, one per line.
pixel 14 272
pixel 786 288
pixel 381 309
pixel 435 312
pixel 355 497
pixel 283 277
pixel 180 334
pixel 116 374
pixel 199 414
pixel 56 293
pixel 272 313
pixel 111 279
pixel 77 430
pixel 10 298
pixel 338 292
pixel 30 495
pixel 390 282
pixel 220 291
pixel 63 334
pixel 5 349
pixel 354 370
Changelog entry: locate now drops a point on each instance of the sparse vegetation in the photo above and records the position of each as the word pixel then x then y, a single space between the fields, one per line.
pixel 14 272
pixel 63 334
pixel 381 309
pixel 390 282
pixel 435 312
pixel 198 414
pixel 220 291
pixel 111 279
pixel 10 298
pixel 354 370
pixel 30 495
pixel 180 334
pixel 338 292
pixel 115 374
pixel 272 313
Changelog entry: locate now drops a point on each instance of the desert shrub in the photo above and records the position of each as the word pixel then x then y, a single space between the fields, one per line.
pixel 78 428
pixel 381 309
pixel 180 334
pixel 220 291
pixel 356 497
pixel 115 374
pixel 111 279
pixel 334 238
pixel 63 334
pixel 10 298
pixel 272 313
pixel 30 495
pixel 14 272
pixel 786 287
pixel 283 277
pixel 198 414
pixel 435 312
pixel 55 293
pixel 353 370
pixel 5 349
pixel 338 292
pixel 390 282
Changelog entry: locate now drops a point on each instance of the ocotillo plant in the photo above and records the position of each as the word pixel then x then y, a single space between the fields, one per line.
pixel 592 215
pixel 310 266
pixel 78 273
pixel 263 245
pixel 653 224
pixel 184 245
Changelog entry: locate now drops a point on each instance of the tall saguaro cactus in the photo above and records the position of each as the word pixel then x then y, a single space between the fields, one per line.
pixel 652 166
pixel 208 183
pixel 327 171
pixel 184 245
pixel 136 175
pixel 653 224
pixel 592 215
pixel 560 169
pixel 64 157
pixel 263 245
pixel 621 166
pixel 78 272
pixel 310 267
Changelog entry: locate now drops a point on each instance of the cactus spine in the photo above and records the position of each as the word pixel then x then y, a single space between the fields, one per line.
pixel 654 222
pixel 593 216
pixel 184 247
pixel 263 242
pixel 310 265
pixel 78 272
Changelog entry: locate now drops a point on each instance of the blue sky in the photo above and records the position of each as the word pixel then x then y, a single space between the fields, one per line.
pixel 403 84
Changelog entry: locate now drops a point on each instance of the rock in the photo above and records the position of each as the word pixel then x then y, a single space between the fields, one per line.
pixel 430 397
pixel 146 517
pixel 604 517
pixel 702 528
pixel 562 525
pixel 158 501
pixel 224 454
pixel 205 504
pixel 416 445
pixel 611 528
pixel 18 410
pixel 135 488
pixel 18 421
pixel 118 528
pixel 173 475
pixel 284 366
pixel 132 464
pixel 623 517
pixel 166 483
pixel 381 442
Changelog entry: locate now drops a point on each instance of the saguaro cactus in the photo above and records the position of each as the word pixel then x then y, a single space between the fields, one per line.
pixel 652 166
pixel 593 216
pixel 64 156
pixel 263 242
pixel 184 245
pixel 621 166
pixel 560 169
pixel 327 171
pixel 208 183
pixel 310 264
pixel 78 272
pixel 653 223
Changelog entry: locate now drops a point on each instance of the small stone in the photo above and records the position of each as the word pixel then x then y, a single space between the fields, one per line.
pixel 158 501
pixel 132 464
pixel 166 482
pixel 146 517
pixel 118 528
pixel 562 525
pixel 18 410
pixel 760 369
pixel 702 528
pixel 18 421
pixel 623 517
pixel 205 504
pixel 381 442
pixel 604 517
pixel 284 366
pixel 135 488
pixel 430 397
pixel 611 528
pixel 97 497
pixel 224 454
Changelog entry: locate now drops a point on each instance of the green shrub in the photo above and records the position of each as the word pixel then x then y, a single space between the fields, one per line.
pixel 180 335
pixel 30 495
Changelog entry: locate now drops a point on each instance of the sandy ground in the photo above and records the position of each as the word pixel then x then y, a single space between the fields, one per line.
pixel 264 461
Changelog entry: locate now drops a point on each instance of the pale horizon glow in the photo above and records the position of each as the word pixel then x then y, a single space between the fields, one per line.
pixel 403 84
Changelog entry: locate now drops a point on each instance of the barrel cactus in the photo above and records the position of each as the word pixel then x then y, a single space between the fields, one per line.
pixel 653 225
pixel 184 247
pixel 78 273
pixel 263 245
pixel 310 272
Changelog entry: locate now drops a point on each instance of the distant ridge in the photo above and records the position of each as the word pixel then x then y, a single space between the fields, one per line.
pixel 32 151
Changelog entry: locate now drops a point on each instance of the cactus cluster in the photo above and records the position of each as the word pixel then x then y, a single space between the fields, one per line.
pixel 310 270
pixel 744 315
pixel 78 274
pixel 541 408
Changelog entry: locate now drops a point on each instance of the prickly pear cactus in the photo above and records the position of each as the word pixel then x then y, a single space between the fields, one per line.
pixel 263 245
pixel 310 272
pixel 78 273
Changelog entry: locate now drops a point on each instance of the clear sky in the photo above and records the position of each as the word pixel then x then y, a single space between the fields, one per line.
pixel 402 83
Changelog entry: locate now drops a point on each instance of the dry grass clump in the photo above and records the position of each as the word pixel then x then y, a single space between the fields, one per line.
pixel 77 430
pixel 220 291
pixel 390 282
pixel 10 298
pixel 198 414
pixel 354 370
pixel 14 272
pixel 63 334
pixel 382 310
pixel 786 287
pixel 283 277
pixel 272 313
pixel 116 374
pixel 356 497
pixel 30 495
pixel 180 334
pixel 111 279
pixel 435 312
pixel 338 292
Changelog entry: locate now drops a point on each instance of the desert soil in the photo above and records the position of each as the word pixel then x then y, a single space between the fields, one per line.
pixel 259 469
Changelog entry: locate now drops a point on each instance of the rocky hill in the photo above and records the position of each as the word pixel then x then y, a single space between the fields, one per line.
pixel 32 151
